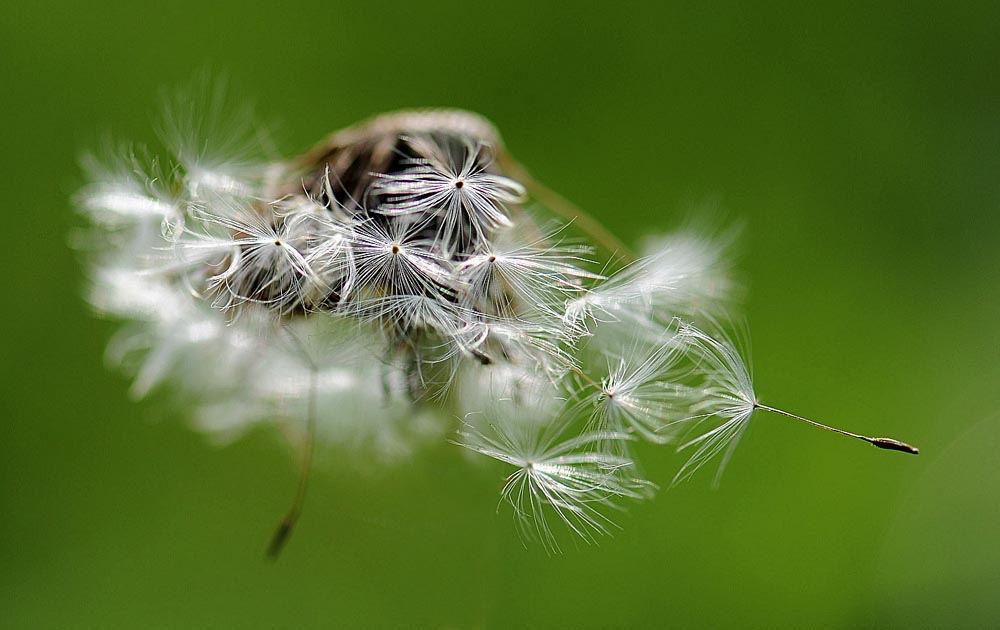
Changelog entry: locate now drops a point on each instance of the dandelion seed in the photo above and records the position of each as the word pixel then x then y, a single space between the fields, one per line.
pixel 265 259
pixel 518 275
pixel 122 199
pixel 453 183
pixel 637 396
pixel 725 399
pixel 680 276
pixel 395 258
pixel 573 475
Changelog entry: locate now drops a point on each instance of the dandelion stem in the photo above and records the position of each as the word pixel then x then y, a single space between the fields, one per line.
pixel 567 209
pixel 287 524
pixel 880 442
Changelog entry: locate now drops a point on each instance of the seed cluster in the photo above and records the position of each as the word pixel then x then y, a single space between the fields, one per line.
pixel 403 276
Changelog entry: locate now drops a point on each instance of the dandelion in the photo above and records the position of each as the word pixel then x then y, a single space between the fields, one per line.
pixel 404 274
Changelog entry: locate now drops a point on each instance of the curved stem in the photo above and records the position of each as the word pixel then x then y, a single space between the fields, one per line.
pixel 291 518
pixel 566 209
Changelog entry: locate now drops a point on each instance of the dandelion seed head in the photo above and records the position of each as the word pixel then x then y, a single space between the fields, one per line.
pixel 398 276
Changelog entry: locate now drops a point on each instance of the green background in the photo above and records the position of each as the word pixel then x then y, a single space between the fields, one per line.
pixel 860 144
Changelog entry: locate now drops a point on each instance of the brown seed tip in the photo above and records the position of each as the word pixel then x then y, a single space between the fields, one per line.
pixel 895 445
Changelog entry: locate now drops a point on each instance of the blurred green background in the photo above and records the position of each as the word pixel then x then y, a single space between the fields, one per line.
pixel 861 145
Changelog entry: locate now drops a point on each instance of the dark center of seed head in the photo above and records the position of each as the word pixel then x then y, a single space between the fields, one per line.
pixel 492 259
pixel 459 183
pixel 277 243
pixel 395 248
